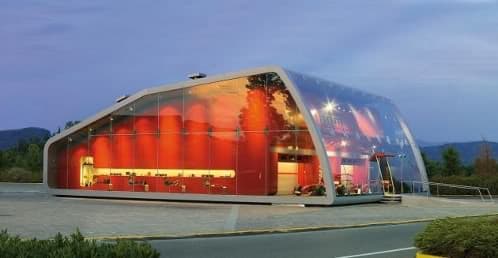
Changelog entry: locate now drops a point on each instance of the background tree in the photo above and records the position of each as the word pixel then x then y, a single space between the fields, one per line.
pixel 70 124
pixel 452 165
pixel 432 167
pixel 469 170
pixel 2 162
pixel 23 162
pixel 485 164
pixel 34 160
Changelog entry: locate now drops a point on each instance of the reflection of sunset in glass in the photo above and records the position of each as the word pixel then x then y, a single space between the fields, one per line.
pixel 366 124
pixel 315 115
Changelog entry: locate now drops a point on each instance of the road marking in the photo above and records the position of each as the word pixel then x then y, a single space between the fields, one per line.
pixel 380 252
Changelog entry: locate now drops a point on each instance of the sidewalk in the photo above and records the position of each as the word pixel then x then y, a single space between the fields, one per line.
pixel 41 215
pixel 6 187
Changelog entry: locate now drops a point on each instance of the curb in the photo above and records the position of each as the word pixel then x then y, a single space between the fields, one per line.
pixel 269 231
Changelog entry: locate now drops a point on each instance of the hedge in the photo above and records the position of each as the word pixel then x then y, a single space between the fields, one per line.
pixel 73 246
pixel 20 175
pixel 462 237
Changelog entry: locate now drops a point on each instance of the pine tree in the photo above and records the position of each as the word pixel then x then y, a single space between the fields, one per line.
pixel 452 164
pixel 433 168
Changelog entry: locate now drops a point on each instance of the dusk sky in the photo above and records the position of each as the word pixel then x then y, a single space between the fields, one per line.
pixel 437 60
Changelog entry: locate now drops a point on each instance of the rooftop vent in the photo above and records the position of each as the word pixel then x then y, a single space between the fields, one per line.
pixel 195 76
pixel 122 98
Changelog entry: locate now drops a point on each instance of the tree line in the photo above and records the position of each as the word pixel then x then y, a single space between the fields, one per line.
pixel 24 162
pixel 451 164
pixel 450 170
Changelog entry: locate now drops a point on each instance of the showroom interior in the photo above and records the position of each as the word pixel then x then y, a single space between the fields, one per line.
pixel 272 133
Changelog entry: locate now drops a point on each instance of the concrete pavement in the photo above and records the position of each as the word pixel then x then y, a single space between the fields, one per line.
pixel 41 215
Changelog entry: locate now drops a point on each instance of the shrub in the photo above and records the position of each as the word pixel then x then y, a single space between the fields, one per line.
pixel 72 246
pixel 462 237
pixel 20 175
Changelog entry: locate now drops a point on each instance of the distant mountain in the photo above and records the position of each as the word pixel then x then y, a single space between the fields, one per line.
pixel 9 138
pixel 423 143
pixel 468 150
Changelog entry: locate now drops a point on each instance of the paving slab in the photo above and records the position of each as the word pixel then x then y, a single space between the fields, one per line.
pixel 41 215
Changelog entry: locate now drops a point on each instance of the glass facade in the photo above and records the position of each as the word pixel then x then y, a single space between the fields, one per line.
pixel 243 136
pixel 368 145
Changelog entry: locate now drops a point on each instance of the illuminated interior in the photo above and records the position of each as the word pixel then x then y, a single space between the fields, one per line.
pixel 241 136
pixel 355 127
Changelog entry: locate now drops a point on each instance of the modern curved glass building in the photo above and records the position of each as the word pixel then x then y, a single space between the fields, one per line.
pixel 264 135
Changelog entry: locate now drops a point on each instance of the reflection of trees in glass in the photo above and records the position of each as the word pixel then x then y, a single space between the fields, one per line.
pixel 259 112
pixel 253 115
pixel 269 106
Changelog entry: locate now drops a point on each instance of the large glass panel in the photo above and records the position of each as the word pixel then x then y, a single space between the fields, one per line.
pixel 123 120
pixel 282 109
pixel 254 111
pixel 195 110
pixel 97 164
pixel 196 141
pixel 223 150
pixel 146 143
pixel 282 169
pixel 218 104
pixel 123 175
pixel 59 156
pixel 359 129
pixel 196 162
pixel 146 115
pixel 101 127
pixel 170 163
pixel 146 162
pixel 171 142
pixel 171 111
pixel 252 159
pixel 309 171
pixel 77 153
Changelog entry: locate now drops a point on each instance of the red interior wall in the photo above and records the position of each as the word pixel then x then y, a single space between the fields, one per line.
pixel 146 151
pixel 256 166
pixel 75 153
pixel 196 142
pixel 273 173
pixel 251 170
pixel 100 150
pixel 223 150
pixel 146 142
pixel 308 171
pixel 122 150
pixel 171 138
